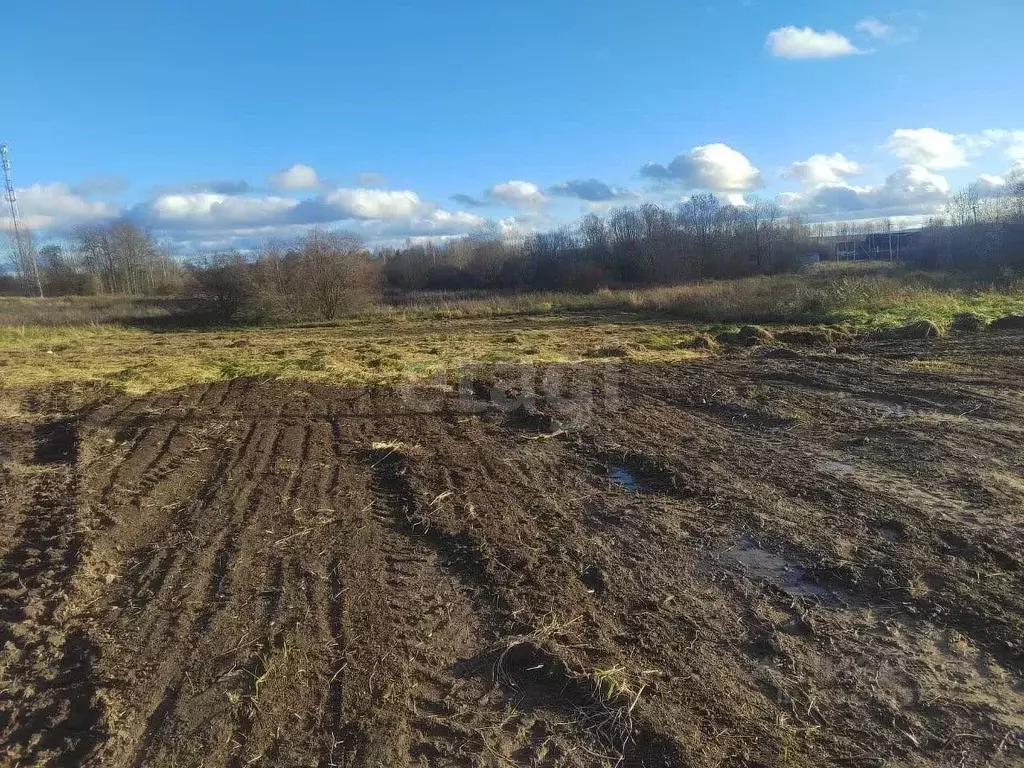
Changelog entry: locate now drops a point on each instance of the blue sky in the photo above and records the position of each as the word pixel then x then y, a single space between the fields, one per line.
pixel 160 111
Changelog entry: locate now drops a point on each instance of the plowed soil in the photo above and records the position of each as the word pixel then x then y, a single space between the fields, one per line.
pixel 771 558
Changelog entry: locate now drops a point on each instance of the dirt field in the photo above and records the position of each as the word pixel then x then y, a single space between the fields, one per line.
pixel 767 558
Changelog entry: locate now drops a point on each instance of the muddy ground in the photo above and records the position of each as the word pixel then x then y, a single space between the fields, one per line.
pixel 800 558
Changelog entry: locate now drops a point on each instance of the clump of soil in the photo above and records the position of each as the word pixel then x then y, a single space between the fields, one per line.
pixel 747 336
pixel 702 341
pixel 968 322
pixel 780 353
pixel 622 349
pixel 922 329
pixel 1008 323
pixel 810 337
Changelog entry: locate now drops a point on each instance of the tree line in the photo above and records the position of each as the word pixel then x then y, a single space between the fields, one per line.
pixel 118 258
pixel 641 245
pixel 326 274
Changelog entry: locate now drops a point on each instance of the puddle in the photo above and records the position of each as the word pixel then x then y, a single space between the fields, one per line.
pixel 891 530
pixel 593 579
pixel 761 565
pixel 839 467
pixel 622 476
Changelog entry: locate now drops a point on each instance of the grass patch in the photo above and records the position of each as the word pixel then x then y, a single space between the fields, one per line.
pixel 386 345
pixel 863 295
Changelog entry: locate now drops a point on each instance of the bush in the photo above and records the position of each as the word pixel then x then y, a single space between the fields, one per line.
pixel 322 276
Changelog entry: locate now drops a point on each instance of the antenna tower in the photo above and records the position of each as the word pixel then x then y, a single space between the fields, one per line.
pixel 23 250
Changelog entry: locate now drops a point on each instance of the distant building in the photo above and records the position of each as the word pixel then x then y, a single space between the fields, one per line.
pixel 887 246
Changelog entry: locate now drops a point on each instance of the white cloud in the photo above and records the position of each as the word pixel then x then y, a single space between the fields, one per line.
pixel 716 167
pixel 994 185
pixel 939 150
pixel 806 43
pixel 433 225
pixel 914 183
pixel 824 169
pixel 1009 141
pixel 875 28
pixel 928 147
pixel 990 185
pixel 376 203
pixel 56 206
pixel 911 189
pixel 245 220
pixel 438 222
pixel 295 177
pixel 515 228
pixel 209 209
pixel 518 194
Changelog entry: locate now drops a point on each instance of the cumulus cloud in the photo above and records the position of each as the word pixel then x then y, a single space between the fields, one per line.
pixel 1009 141
pixel 911 189
pixel 591 190
pixel 995 185
pixel 213 210
pixel 245 220
pixel 806 43
pixel 58 206
pixel 716 167
pixel 823 169
pixel 295 177
pixel 469 201
pixel 928 147
pixel 989 185
pixel 915 184
pixel 790 199
pixel 939 150
pixel 434 225
pixel 516 227
pixel 518 194
pixel 376 203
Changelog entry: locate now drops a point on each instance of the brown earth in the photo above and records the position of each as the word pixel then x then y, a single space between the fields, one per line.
pixel 763 559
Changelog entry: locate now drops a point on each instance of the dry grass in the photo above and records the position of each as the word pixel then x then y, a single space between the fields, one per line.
pixel 862 294
pixel 85 311
pixel 99 339
pixel 356 352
